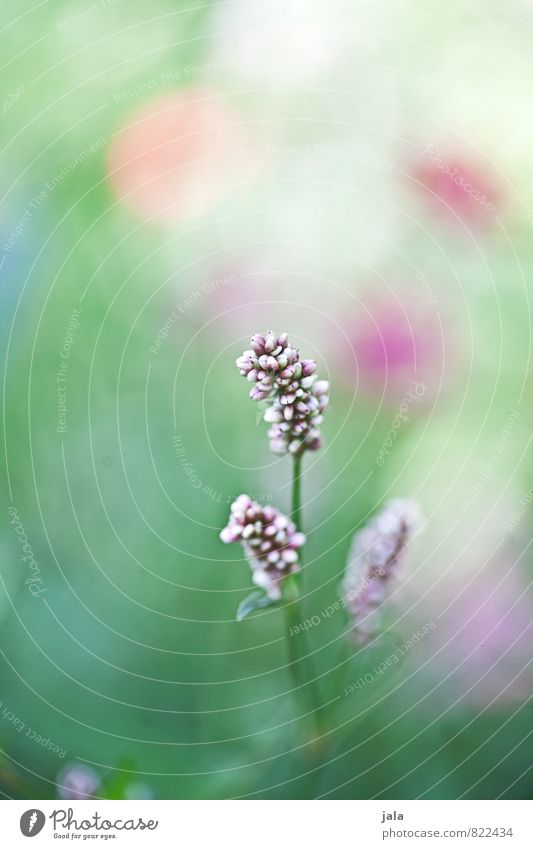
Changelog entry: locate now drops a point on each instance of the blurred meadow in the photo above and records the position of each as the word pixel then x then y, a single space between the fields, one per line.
pixel 175 178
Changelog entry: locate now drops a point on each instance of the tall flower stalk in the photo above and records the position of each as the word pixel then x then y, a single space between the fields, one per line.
pixel 294 402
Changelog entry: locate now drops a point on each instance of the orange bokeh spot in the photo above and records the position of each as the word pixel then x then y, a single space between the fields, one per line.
pixel 176 156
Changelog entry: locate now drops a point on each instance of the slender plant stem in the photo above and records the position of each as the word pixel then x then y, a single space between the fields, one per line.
pixel 301 664
pixel 297 491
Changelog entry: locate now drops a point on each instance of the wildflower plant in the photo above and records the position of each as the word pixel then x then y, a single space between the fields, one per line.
pixel 294 401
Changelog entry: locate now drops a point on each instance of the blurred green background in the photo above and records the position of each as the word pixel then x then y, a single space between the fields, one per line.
pixel 178 178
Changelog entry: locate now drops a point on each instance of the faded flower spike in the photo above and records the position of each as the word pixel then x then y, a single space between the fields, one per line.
pixel 373 562
pixel 297 400
pixel 270 541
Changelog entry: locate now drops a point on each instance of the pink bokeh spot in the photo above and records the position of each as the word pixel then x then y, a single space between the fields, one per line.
pixel 453 187
pixel 395 342
pixel 175 156
pixel 487 635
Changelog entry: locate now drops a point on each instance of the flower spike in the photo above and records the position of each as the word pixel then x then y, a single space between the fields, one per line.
pixel 270 541
pixel 296 398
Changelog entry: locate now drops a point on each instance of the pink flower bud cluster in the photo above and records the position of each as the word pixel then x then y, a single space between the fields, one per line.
pixel 375 556
pixel 269 360
pixel 297 400
pixel 270 541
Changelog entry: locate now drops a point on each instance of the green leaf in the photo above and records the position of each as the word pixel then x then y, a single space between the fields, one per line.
pixel 253 602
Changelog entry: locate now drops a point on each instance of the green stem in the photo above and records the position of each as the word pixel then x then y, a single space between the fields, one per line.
pixel 296 512
pixel 301 664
